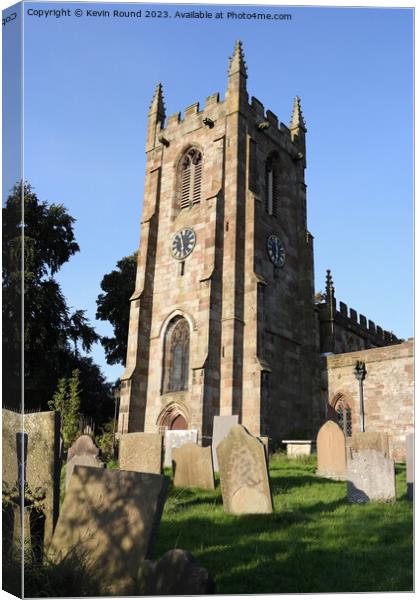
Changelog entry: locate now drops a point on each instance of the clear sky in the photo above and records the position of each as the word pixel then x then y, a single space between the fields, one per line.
pixel 88 86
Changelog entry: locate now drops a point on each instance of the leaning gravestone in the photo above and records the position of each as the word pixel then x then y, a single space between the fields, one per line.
pixel 141 452
pixel 193 467
pixel 108 522
pixel 409 441
pixel 221 427
pixel 176 574
pixel 368 440
pixel 176 438
pixel 331 451
pixel 370 476
pixel 244 473
pixel 42 467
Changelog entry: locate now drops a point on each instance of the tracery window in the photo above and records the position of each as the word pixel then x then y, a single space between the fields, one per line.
pixel 191 165
pixel 271 186
pixel 176 356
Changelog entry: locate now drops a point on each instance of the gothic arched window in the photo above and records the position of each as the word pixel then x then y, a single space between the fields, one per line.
pixel 343 412
pixel 190 185
pixel 176 356
pixel 271 186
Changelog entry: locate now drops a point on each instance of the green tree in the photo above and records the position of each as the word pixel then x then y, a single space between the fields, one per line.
pixel 66 400
pixel 114 306
pixel 38 238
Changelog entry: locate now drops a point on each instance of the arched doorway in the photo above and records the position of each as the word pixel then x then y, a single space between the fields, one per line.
pixel 173 419
pixel 179 423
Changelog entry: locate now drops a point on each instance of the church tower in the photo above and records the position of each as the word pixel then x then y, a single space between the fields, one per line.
pixel 222 319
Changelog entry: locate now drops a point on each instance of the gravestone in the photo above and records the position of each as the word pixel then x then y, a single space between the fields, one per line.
pixel 221 427
pixel 176 574
pixel 244 473
pixel 83 445
pixel 141 452
pixel 82 460
pixel 368 440
pixel 108 521
pixel 331 451
pixel 177 438
pixel 193 467
pixel 42 434
pixel 409 443
pixel 370 476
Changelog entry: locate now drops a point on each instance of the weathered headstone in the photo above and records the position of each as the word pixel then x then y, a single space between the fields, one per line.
pixel 244 473
pixel 108 521
pixel 141 452
pixel 42 434
pixel 193 467
pixel 175 439
pixel 83 445
pixel 331 451
pixel 409 453
pixel 370 476
pixel 176 574
pixel 82 460
pixel 221 427
pixel 368 440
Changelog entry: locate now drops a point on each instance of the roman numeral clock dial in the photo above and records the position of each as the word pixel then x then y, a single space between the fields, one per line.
pixel 183 243
pixel 276 251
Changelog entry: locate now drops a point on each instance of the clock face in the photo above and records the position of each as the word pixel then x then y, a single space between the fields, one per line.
pixel 276 251
pixel 183 243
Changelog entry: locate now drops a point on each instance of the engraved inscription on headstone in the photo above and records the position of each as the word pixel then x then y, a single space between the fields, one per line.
pixel 244 473
pixel 193 467
pixel 141 452
pixel 221 426
pixel 370 476
pixel 108 520
pixel 331 451
pixel 177 438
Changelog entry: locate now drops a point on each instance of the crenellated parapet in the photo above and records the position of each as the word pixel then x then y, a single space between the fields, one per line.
pixel 343 329
pixel 261 121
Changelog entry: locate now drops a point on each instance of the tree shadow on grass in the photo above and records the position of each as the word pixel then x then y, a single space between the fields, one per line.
pixel 362 549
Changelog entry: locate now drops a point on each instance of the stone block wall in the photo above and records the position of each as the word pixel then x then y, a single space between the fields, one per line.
pixel 388 391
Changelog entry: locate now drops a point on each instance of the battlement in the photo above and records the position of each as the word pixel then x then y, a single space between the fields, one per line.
pixel 350 317
pixel 265 121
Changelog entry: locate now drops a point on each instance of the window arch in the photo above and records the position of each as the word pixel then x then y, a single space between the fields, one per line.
pixel 343 412
pixel 176 356
pixel 271 186
pixel 190 178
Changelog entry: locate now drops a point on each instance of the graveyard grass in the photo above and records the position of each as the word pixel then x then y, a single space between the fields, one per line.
pixel 313 542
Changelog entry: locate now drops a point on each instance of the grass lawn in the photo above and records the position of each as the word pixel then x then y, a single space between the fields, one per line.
pixel 313 542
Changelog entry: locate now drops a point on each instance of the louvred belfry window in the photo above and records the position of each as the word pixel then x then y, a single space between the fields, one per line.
pixel 191 178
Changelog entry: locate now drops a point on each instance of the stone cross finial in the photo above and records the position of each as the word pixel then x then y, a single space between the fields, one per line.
pixel 297 121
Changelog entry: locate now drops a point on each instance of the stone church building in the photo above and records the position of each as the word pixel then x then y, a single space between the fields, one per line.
pixel 223 319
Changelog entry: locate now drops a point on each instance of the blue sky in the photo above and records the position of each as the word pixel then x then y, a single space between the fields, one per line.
pixel 88 86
